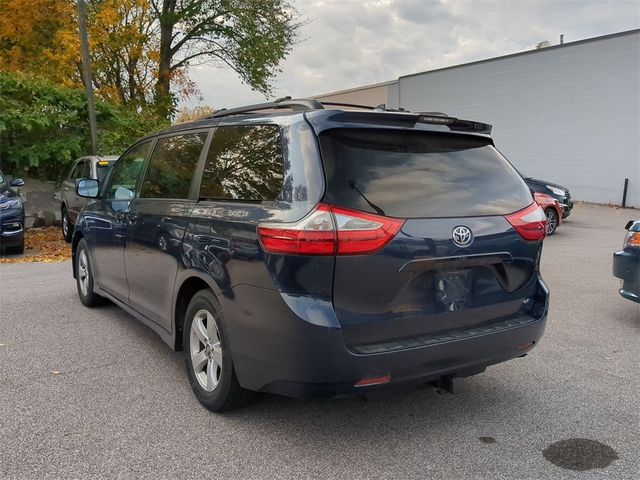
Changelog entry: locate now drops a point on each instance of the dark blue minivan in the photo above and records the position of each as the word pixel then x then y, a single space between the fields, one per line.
pixel 305 251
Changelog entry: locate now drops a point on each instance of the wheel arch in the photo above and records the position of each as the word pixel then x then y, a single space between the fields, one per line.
pixel 190 283
pixel 77 236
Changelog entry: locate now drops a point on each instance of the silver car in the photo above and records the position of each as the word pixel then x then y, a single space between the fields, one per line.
pixel 70 203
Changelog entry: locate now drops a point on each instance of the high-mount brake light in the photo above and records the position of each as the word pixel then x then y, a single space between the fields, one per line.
pixel 436 119
pixel 330 230
pixel 530 222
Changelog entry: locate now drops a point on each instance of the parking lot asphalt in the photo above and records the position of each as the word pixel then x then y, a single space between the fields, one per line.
pixel 92 393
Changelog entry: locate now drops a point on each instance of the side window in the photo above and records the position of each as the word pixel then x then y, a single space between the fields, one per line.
pixel 84 169
pixel 172 166
pixel 123 178
pixel 244 163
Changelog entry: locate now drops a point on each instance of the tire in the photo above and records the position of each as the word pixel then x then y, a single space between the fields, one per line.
pixel 67 228
pixel 206 344
pixel 84 277
pixel 552 221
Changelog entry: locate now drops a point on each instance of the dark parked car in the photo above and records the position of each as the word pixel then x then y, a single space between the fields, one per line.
pixel 554 190
pixel 318 252
pixel 11 216
pixel 626 263
pixel 70 203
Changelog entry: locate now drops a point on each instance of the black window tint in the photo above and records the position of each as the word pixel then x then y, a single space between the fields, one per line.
pixel 102 170
pixel 418 174
pixel 123 178
pixel 172 165
pixel 84 170
pixel 244 163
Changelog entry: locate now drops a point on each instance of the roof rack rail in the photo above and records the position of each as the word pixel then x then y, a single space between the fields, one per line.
pixel 298 104
pixel 353 105
pixel 302 104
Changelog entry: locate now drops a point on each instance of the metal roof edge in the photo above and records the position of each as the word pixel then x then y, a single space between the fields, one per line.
pixel 355 89
pixel 527 52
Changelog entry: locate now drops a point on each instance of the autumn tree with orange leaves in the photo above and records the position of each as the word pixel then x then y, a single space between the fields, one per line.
pixel 141 50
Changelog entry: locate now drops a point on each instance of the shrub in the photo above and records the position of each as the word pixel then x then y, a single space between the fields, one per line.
pixel 44 127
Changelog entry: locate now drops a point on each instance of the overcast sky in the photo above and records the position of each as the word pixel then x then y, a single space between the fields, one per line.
pixel 350 43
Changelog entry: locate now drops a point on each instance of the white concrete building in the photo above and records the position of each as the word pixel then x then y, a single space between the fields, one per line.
pixel 568 113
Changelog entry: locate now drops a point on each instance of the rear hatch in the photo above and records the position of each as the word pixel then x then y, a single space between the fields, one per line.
pixel 459 260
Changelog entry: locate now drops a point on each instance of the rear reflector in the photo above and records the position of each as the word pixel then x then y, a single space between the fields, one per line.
pixel 330 230
pixel 530 222
pixel 369 382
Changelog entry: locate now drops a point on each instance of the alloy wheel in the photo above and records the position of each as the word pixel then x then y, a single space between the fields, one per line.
pixel 205 350
pixel 65 225
pixel 552 222
pixel 83 272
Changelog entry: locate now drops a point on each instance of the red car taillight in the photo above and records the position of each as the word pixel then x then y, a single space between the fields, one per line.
pixel 330 230
pixel 530 222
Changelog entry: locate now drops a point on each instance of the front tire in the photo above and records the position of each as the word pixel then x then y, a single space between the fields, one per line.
pixel 552 220
pixel 84 277
pixel 67 230
pixel 209 364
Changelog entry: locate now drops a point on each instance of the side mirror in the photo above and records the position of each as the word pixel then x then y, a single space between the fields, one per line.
pixel 87 187
pixel 16 182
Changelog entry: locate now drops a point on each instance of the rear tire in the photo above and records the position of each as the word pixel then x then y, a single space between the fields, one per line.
pixel 208 356
pixel 84 277
pixel 67 228
pixel 552 220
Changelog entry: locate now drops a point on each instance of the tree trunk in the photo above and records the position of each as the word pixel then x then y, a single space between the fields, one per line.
pixel 164 104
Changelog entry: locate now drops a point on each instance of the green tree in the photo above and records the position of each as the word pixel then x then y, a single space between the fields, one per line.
pixel 43 127
pixel 249 36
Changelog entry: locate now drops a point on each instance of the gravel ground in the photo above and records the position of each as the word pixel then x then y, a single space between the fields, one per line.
pixel 94 394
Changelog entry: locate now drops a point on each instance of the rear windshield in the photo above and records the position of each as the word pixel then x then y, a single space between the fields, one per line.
pixel 414 174
pixel 102 170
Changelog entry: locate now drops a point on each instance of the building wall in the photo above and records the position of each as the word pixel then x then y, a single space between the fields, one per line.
pixel 370 95
pixel 569 114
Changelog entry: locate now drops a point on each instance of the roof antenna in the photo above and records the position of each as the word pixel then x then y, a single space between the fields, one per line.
pixel 561 39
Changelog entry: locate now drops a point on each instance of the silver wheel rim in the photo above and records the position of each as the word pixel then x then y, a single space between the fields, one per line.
pixel 83 272
pixel 65 224
pixel 552 223
pixel 205 350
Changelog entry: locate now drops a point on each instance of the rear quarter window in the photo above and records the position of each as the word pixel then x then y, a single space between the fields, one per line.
pixel 244 162
pixel 417 174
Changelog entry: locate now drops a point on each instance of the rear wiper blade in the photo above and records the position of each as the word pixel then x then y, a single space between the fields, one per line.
pixel 379 211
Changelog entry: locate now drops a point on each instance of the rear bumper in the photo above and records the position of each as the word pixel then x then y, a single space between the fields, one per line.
pixel 299 350
pixel 626 266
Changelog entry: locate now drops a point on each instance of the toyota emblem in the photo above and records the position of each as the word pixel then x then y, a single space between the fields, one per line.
pixel 462 236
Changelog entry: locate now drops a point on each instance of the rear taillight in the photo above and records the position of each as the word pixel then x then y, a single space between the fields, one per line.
pixel 530 222
pixel 632 239
pixel 330 230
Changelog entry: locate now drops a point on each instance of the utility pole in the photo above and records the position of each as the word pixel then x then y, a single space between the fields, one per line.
pixel 86 70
